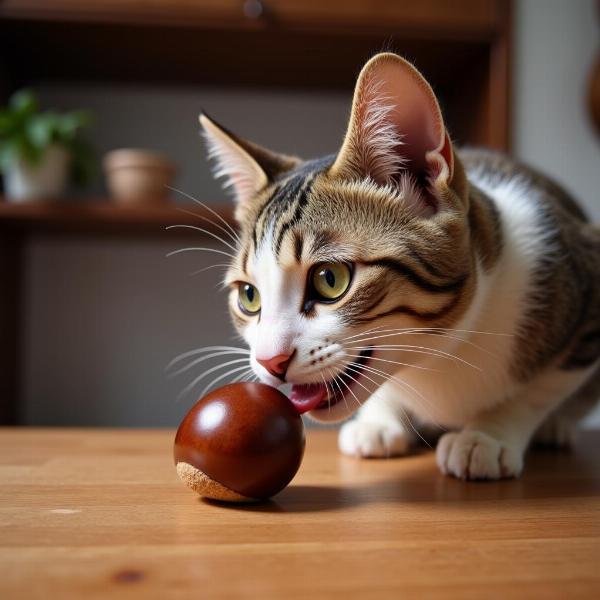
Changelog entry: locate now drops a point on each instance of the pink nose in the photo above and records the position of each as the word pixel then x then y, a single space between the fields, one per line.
pixel 276 365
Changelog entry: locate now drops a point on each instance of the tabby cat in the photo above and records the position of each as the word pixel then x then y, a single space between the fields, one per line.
pixel 422 286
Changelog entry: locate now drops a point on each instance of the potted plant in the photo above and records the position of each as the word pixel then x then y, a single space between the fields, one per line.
pixel 138 176
pixel 41 152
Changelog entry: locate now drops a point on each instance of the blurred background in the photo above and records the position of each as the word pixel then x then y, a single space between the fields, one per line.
pixel 91 309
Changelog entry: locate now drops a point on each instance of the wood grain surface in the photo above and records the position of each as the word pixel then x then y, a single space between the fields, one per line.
pixel 101 513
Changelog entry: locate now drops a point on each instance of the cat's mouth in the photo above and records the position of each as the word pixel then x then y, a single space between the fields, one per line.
pixel 321 396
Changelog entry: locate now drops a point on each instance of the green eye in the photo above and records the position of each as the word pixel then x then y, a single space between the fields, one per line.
pixel 331 280
pixel 248 299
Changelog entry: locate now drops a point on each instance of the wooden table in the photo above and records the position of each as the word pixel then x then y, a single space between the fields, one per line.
pixel 101 513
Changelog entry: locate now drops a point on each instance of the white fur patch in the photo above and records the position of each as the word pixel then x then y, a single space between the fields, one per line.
pixel 376 141
pixel 282 327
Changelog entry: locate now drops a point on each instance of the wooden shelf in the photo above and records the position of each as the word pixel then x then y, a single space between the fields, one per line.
pixel 90 216
pixel 103 216
pixel 463 47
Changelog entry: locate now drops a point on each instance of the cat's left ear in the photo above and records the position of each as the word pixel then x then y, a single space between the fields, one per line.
pixel 396 127
pixel 246 167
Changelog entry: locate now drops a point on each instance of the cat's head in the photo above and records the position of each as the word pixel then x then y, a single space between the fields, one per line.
pixel 342 256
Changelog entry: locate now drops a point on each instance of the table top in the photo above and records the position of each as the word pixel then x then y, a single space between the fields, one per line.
pixel 101 513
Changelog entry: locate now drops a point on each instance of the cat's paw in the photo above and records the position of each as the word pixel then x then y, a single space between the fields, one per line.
pixel 557 432
pixel 477 455
pixel 365 439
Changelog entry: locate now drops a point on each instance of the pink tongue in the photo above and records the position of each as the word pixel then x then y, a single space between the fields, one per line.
pixel 307 397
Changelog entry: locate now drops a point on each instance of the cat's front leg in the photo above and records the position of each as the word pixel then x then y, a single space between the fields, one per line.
pixel 378 430
pixel 493 445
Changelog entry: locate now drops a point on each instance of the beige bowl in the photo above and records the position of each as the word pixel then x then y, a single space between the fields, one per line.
pixel 138 176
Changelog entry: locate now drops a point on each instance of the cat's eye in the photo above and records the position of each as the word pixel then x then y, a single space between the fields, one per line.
pixel 248 298
pixel 331 280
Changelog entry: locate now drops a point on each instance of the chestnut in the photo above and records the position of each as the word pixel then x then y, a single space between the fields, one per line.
pixel 241 442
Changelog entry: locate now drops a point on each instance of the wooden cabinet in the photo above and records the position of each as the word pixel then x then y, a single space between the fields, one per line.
pixel 462 46
pixel 475 16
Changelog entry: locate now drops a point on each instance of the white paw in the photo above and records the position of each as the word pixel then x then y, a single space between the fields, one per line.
pixel 370 439
pixel 476 455
pixel 557 431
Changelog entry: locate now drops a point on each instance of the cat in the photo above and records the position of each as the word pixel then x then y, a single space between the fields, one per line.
pixel 414 284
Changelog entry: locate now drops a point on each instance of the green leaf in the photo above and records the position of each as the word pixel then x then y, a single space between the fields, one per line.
pixel 18 148
pixel 41 129
pixel 24 102
pixel 27 151
pixel 25 133
pixel 7 122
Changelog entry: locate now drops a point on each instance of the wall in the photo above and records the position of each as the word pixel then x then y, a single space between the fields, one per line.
pixel 105 317
pixel 556 44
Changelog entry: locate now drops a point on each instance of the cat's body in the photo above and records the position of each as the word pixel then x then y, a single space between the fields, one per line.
pixel 541 289
pixel 458 290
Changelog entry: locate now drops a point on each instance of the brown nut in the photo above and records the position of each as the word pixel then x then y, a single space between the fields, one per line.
pixel 241 442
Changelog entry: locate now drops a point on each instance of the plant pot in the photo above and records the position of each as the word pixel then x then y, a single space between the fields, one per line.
pixel 46 180
pixel 138 176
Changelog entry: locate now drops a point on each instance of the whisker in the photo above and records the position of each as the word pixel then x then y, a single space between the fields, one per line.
pixel 425 330
pixel 223 376
pixel 430 333
pixel 404 412
pixel 221 285
pixel 454 330
pixel 418 350
pixel 205 231
pixel 209 371
pixel 342 364
pixel 208 208
pixel 199 249
pixel 346 374
pixel 383 334
pixel 349 388
pixel 204 349
pixel 224 265
pixel 335 380
pixel 362 333
pixel 395 362
pixel 326 391
pixel 330 393
pixel 203 358
pixel 403 349
pixel 234 238
pixel 394 378
pixel 405 385
pixel 400 382
pixel 244 376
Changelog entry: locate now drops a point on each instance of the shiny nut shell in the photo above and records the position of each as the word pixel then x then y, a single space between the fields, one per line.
pixel 246 436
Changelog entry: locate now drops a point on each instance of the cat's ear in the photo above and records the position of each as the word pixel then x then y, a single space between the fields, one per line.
pixel 396 127
pixel 245 167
